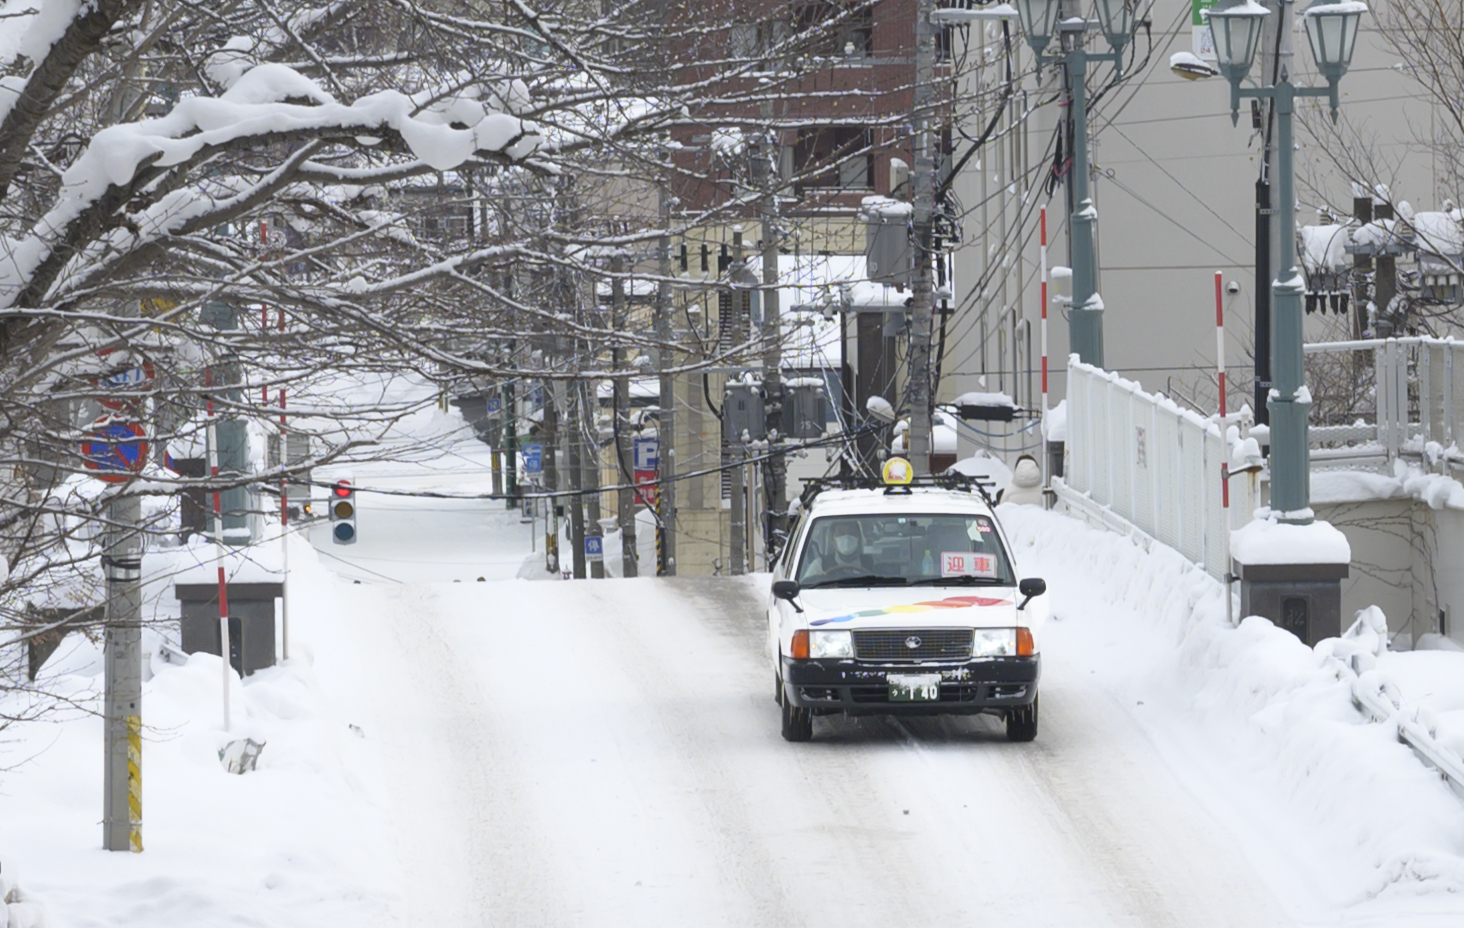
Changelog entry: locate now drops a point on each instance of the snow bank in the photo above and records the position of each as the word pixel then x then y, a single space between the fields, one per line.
pixel 1268 723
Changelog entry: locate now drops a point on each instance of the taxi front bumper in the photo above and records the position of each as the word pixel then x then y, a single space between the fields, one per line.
pixel 858 687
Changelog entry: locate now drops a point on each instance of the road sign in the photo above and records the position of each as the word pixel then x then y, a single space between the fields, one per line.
pixel 647 452
pixel 533 458
pixel 116 449
pixel 594 548
pixel 646 491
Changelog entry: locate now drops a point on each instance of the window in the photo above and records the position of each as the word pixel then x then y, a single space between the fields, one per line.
pixel 756 41
pixel 835 156
pixel 849 37
pixel 937 550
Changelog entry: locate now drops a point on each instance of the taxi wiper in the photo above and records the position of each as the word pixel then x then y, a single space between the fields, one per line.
pixel 962 580
pixel 866 580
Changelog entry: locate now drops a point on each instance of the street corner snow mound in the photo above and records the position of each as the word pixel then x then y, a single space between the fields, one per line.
pixel 21 909
pixel 1277 715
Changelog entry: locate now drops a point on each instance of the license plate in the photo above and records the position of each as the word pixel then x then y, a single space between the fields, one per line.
pixel 914 687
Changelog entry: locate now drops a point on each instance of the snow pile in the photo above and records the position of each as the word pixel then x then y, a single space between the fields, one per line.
pixel 298 841
pixel 21 909
pixel 1054 424
pixel 1267 722
pixel 1264 540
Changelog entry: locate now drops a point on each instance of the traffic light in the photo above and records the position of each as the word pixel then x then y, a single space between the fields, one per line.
pixel 343 512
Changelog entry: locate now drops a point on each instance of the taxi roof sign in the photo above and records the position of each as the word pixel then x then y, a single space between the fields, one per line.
pixel 897 472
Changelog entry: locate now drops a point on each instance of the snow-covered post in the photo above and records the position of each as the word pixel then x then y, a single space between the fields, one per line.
pixel 284 530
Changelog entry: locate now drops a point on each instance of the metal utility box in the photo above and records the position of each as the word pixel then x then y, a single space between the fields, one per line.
pixel 1304 599
pixel 744 416
pixel 251 622
pixel 805 409
pixel 887 252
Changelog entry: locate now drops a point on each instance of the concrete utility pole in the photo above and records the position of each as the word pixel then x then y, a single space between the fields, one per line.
pixel 666 420
pixel 589 446
pixel 122 727
pixel 737 531
pixel 572 439
pixel 776 468
pixel 549 450
pixel 922 185
pixel 620 401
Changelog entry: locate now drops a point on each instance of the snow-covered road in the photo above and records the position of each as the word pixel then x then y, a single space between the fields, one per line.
pixel 608 754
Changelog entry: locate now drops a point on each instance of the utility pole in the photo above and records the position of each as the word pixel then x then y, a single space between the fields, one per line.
pixel 576 484
pixel 666 419
pixel 1385 281
pixel 122 727
pixel 776 468
pixel 918 439
pixel 620 403
pixel 550 442
pixel 589 446
pixel 737 532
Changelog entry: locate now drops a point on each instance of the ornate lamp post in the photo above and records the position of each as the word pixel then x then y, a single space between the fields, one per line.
pixel 1332 33
pixel 1039 23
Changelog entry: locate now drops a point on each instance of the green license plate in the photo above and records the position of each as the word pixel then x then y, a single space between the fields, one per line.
pixel 914 687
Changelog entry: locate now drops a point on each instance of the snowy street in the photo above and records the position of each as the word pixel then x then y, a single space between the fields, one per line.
pixel 619 763
pixel 608 753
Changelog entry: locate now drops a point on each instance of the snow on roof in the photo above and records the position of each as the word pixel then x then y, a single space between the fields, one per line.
pixel 1439 233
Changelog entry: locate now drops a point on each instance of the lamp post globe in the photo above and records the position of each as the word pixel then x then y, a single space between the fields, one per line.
pixel 1116 18
pixel 1331 30
pixel 1237 32
pixel 1037 18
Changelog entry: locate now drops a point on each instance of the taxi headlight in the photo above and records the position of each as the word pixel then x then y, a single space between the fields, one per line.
pixel 830 644
pixel 994 642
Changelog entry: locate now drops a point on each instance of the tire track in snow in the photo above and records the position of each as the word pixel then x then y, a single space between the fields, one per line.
pixel 471 854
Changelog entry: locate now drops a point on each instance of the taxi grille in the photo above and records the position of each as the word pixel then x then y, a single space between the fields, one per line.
pixel 929 644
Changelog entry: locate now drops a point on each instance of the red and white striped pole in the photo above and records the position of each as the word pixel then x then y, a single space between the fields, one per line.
pixel 1043 249
pixel 1224 441
pixel 218 507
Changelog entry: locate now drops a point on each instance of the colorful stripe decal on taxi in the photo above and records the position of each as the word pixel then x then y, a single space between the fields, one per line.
pixel 952 602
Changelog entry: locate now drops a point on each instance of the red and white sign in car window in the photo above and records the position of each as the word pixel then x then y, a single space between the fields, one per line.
pixel 967 564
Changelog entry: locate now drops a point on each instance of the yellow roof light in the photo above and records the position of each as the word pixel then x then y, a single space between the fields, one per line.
pixel 898 472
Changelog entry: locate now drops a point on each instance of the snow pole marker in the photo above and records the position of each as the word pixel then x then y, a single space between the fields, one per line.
pixel 1225 445
pixel 218 506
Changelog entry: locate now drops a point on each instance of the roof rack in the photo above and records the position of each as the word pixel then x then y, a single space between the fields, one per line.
pixel 951 480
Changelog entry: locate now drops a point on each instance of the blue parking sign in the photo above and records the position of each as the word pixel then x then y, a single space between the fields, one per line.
pixel 533 459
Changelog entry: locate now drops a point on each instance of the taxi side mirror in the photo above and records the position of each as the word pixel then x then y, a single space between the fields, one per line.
pixel 787 589
pixel 1030 587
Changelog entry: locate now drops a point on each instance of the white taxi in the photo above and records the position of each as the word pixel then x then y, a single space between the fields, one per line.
pixel 903 599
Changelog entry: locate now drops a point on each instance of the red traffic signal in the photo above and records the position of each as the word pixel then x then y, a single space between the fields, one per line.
pixel 343 489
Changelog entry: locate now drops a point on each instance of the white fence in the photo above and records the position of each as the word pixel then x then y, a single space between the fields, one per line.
pixel 1148 461
pixel 1418 400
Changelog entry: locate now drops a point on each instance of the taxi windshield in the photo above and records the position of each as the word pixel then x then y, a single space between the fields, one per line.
pixel 903 550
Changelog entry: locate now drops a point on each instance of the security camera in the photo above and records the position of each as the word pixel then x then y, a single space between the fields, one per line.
pixel 1232 288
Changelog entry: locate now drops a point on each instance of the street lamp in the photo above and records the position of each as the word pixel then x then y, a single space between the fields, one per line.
pixel 1115 21
pixel 1331 29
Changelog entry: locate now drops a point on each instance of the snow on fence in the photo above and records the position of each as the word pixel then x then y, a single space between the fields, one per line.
pixel 1419 402
pixel 1148 461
